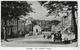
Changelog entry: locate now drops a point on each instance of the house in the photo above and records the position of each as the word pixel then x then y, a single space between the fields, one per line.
pixel 11 27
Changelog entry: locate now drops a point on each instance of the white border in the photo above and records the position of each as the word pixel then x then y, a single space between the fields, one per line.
pixel 45 48
pixel 39 0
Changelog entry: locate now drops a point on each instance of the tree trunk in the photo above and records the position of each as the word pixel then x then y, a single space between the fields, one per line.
pixel 17 28
pixel 11 28
pixel 5 31
pixel 11 31
pixel 74 24
pixel 24 27
pixel 17 25
pixel 62 23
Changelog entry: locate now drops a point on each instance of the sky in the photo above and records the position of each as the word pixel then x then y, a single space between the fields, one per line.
pixel 40 12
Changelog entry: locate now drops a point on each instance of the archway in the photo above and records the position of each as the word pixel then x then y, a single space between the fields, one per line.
pixel 36 30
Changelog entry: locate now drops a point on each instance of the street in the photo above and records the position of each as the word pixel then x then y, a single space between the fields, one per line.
pixel 34 41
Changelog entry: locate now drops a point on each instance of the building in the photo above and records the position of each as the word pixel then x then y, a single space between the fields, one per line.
pixel 11 27
pixel 21 27
pixel 14 27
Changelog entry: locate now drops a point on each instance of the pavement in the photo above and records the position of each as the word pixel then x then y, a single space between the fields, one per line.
pixel 34 41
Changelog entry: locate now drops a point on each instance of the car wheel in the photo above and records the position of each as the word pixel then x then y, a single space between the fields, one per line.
pixel 66 41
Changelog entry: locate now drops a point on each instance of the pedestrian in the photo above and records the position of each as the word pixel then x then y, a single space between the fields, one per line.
pixel 44 36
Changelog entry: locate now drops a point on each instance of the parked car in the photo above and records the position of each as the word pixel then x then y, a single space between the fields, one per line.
pixel 57 37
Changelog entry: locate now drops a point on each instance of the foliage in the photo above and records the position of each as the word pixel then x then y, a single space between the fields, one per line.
pixel 56 5
pixel 13 9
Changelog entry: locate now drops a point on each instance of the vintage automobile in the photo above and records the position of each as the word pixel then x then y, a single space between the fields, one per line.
pixel 57 37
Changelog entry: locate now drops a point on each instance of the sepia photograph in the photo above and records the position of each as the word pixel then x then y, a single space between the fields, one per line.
pixel 39 23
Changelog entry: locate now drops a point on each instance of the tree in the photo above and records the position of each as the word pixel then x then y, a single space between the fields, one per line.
pixel 13 9
pixel 54 5
pixel 74 24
